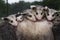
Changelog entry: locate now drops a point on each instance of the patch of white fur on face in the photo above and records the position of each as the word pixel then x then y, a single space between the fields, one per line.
pixel 39 13
pixel 51 15
pixel 30 15
pixel 19 18
pixel 14 23
pixel 12 19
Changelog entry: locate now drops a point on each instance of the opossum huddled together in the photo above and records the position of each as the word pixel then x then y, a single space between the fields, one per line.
pixel 34 24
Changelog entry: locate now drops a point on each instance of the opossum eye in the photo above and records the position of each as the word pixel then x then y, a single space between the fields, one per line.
pixel 36 13
pixel 57 15
pixel 47 14
pixel 30 15
pixel 11 21
pixel 21 18
pixel 16 19
pixel 53 15
pixel 41 13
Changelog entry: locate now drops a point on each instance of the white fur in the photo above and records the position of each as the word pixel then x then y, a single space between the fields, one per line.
pixel 39 16
pixel 32 6
pixel 30 12
pixel 12 18
pixel 41 29
pixel 51 12
pixel 44 28
pixel 20 18
pixel 24 27
pixel 39 10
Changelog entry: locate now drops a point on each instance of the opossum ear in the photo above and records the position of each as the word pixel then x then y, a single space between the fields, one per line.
pixel 5 19
pixel 56 13
pixel 45 8
pixel 17 15
pixel 33 7
pixel 25 14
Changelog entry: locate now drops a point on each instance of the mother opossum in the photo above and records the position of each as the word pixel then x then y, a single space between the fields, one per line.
pixel 31 29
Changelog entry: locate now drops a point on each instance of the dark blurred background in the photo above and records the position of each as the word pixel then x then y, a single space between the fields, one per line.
pixel 7 8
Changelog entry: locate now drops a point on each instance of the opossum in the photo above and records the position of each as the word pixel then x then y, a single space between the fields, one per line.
pixel 30 30
pixel 38 11
pixel 28 22
pixel 10 19
pixel 51 14
pixel 8 27
pixel 35 30
pixel 44 26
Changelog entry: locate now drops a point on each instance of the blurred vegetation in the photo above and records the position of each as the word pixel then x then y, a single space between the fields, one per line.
pixel 55 4
pixel 6 9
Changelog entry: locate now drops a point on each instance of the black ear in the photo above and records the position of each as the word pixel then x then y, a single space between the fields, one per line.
pixel 56 13
pixel 46 9
pixel 17 15
pixel 24 14
pixel 5 19
pixel 33 7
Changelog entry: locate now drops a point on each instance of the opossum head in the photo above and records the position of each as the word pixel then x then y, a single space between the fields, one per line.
pixel 19 17
pixel 10 19
pixel 39 12
pixel 30 15
pixel 51 14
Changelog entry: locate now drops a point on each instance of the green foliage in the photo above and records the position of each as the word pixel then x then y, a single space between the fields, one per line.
pixel 7 9
pixel 14 8
pixel 2 8
pixel 36 3
pixel 55 4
